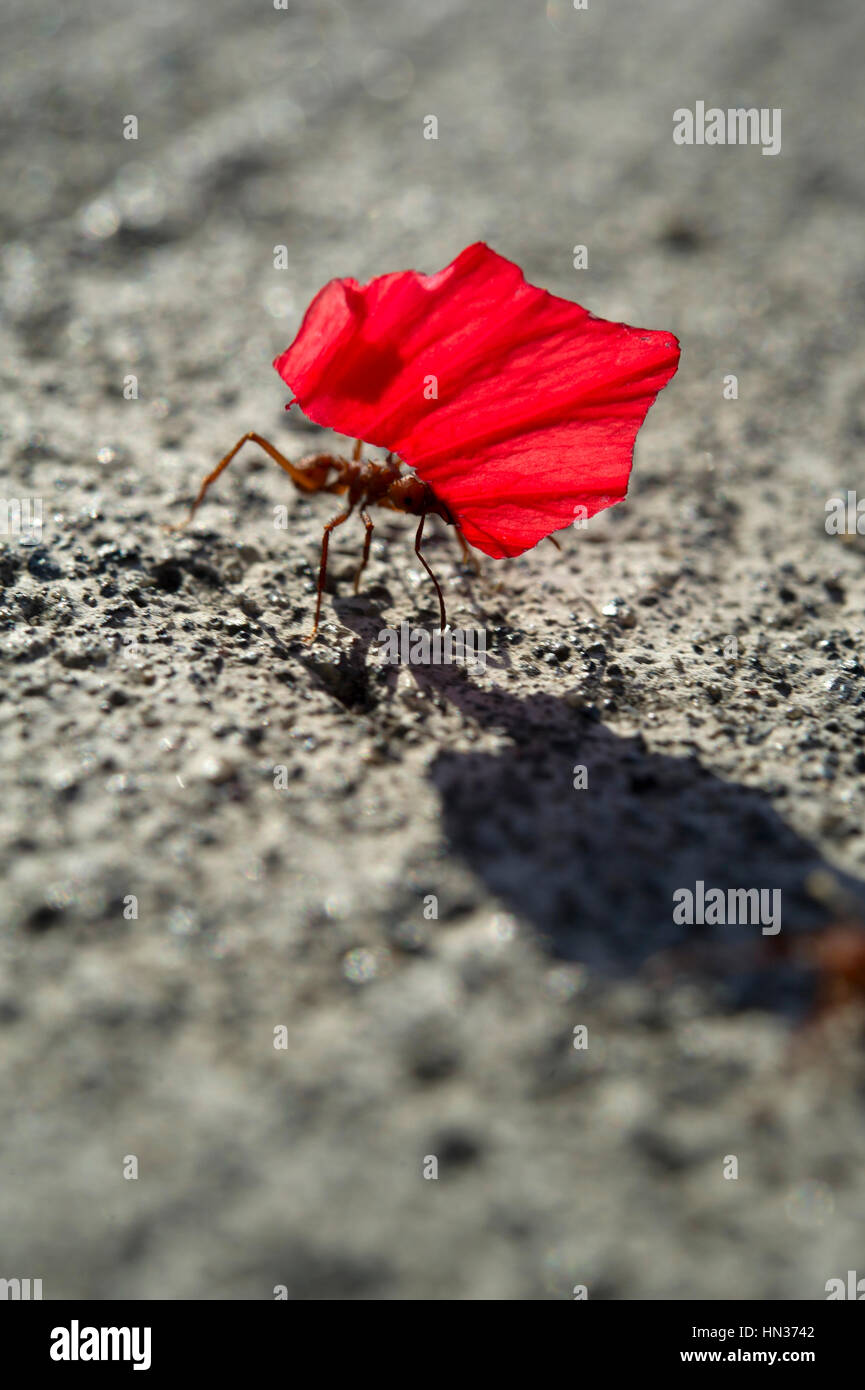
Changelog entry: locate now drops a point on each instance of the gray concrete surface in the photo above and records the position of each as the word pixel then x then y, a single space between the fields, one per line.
pixel 153 682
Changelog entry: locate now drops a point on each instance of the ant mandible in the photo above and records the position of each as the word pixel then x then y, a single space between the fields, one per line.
pixel 367 484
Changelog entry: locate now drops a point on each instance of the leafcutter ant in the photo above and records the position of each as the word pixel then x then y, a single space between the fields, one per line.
pixel 365 483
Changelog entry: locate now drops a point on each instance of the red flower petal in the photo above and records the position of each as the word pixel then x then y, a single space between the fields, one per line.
pixel 538 405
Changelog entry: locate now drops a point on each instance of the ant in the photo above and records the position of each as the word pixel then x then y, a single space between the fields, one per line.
pixel 366 483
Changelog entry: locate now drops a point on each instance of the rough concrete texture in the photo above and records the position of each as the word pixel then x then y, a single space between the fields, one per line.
pixel 154 683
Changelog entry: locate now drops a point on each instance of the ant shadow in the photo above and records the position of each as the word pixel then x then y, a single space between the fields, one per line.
pixel 594 868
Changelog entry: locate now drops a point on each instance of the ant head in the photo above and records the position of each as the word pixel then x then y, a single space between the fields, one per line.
pixel 412 504
pixel 408 494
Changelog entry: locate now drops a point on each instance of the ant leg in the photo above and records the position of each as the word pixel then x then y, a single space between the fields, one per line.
pixel 443 621
pixel 370 527
pixel 554 541
pixel 322 569
pixel 308 482
pixel 358 446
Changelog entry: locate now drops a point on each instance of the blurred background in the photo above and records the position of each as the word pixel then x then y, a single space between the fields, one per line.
pixel 230 976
